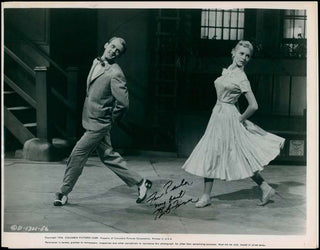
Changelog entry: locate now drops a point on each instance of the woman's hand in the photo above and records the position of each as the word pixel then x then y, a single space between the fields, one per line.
pixel 241 120
pixel 252 107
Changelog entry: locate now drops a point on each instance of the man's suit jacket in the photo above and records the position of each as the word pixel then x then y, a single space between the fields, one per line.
pixel 107 97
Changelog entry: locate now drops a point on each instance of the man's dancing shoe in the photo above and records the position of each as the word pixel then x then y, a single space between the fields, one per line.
pixel 267 193
pixel 61 199
pixel 143 189
pixel 203 202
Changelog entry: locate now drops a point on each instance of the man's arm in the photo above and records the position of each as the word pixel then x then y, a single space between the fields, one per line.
pixel 120 93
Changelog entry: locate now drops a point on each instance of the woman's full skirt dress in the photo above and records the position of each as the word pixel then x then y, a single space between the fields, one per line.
pixel 229 149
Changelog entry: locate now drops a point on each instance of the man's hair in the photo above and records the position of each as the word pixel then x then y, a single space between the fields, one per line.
pixel 122 41
pixel 243 43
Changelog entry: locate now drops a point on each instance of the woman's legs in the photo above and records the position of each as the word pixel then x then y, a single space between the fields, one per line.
pixel 257 178
pixel 208 184
pixel 267 190
pixel 205 198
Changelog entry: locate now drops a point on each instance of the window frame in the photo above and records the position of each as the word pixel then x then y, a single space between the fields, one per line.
pixel 222 27
pixel 288 42
pixel 222 48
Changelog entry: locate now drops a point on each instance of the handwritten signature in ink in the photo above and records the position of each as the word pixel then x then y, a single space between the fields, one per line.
pixel 169 198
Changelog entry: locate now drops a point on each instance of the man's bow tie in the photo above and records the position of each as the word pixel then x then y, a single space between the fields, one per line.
pixel 101 61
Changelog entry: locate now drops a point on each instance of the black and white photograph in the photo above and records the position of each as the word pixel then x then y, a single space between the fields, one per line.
pixel 159 124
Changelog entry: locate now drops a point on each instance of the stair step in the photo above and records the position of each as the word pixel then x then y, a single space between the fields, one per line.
pixel 14 100
pixel 8 92
pixel 23 112
pixel 19 108
pixel 30 125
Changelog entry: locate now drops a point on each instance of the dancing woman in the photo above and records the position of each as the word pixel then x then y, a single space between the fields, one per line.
pixel 232 147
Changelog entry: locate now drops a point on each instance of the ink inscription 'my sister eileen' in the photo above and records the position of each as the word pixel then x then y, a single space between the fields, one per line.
pixel 169 198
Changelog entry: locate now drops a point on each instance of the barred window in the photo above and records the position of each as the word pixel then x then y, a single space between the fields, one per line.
pixel 294 33
pixel 294 23
pixel 218 24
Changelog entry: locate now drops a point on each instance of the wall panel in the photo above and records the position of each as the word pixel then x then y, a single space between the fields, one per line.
pixel 281 95
pixel 298 95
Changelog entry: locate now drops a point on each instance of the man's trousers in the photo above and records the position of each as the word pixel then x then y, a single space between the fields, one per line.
pixel 100 141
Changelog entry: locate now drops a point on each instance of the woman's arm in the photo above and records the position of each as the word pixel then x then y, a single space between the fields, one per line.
pixel 252 106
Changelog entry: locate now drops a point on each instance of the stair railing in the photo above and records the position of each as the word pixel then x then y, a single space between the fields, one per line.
pixel 14 85
pixel 46 93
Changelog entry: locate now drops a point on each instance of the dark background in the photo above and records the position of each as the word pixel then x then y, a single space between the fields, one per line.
pixel 169 79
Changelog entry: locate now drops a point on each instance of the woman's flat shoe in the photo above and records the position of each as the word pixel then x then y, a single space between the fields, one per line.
pixel 267 193
pixel 267 197
pixel 203 203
